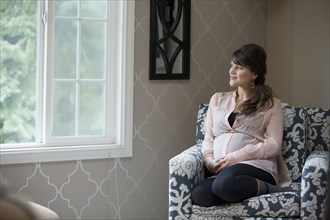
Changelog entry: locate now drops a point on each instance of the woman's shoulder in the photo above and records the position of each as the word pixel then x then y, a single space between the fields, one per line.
pixel 219 95
pixel 277 101
pixel 277 105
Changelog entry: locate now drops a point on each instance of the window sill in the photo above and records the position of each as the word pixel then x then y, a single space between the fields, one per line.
pixel 33 153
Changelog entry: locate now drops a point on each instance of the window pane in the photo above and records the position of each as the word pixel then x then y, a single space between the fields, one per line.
pixel 93 49
pixel 80 51
pixel 93 9
pixel 64 110
pixel 92 110
pixel 65 49
pixel 18 69
pixel 66 8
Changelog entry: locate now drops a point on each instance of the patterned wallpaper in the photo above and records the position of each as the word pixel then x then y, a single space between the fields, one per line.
pixel 164 122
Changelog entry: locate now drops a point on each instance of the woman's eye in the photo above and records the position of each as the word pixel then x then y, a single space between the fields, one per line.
pixel 237 67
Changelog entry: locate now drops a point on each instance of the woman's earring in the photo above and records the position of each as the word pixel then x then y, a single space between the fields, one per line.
pixel 253 86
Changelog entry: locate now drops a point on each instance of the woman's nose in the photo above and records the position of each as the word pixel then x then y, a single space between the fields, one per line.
pixel 232 70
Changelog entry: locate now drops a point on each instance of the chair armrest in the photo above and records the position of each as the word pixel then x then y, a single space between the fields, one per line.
pixel 42 212
pixel 13 207
pixel 315 176
pixel 185 170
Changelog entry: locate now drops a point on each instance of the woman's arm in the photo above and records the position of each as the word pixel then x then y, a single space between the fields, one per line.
pixel 207 144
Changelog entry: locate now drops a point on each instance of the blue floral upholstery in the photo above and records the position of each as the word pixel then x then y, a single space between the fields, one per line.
pixel 306 147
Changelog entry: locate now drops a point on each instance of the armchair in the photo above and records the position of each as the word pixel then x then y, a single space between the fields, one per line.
pixel 305 149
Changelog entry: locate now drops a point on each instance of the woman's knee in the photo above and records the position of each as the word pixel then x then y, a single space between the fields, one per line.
pixel 202 194
pixel 224 188
pixel 198 194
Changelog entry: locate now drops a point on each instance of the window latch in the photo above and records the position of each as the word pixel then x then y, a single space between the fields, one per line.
pixel 44 17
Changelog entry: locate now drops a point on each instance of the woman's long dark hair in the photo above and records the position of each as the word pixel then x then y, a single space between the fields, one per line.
pixel 254 57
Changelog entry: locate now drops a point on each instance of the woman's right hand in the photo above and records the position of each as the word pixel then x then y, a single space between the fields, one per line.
pixel 214 166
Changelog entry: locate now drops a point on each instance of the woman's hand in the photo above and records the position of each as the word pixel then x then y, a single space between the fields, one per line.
pixel 216 166
pixel 223 163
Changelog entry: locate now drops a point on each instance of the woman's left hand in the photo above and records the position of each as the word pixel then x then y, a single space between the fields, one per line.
pixel 225 162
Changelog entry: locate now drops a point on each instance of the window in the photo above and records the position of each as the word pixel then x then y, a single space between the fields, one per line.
pixel 66 80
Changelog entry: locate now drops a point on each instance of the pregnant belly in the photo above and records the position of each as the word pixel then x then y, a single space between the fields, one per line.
pixel 230 142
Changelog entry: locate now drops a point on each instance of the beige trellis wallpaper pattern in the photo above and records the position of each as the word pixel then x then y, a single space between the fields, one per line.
pixel 164 122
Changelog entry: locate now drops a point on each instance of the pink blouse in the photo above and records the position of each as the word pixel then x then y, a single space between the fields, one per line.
pixel 254 139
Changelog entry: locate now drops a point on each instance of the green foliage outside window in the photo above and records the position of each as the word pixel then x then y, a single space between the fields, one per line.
pixel 18 70
pixel 18 66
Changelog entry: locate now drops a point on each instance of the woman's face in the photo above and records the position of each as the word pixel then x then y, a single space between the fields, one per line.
pixel 240 76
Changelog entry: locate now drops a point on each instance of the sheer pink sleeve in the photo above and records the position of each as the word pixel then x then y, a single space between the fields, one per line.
pixel 207 144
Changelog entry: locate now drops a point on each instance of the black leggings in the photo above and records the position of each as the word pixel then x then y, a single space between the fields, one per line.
pixel 234 184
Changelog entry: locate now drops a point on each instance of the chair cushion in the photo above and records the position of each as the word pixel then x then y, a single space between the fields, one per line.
pixel 279 205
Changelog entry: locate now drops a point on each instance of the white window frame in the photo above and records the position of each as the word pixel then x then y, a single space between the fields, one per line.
pixel 122 98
